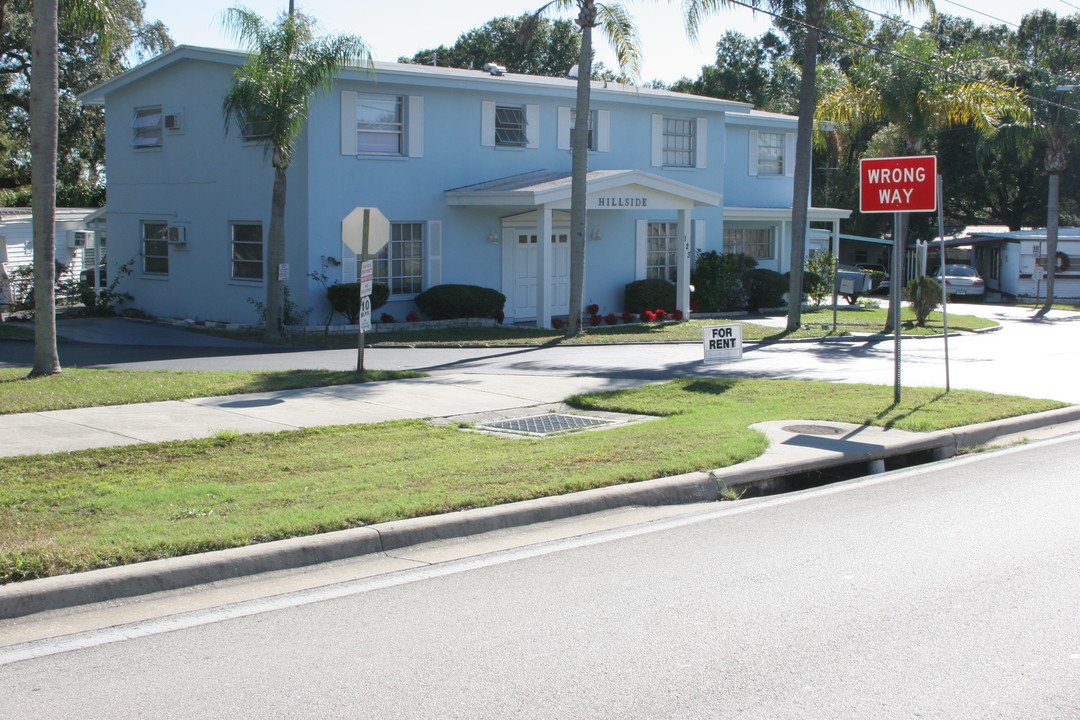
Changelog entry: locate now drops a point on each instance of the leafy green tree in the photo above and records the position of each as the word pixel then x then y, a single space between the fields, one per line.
pixel 619 28
pixel 551 50
pixel 83 61
pixel 752 70
pixel 812 16
pixel 911 101
pixel 271 94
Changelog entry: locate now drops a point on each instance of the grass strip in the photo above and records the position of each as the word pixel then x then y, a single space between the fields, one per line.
pixel 75 387
pixel 76 511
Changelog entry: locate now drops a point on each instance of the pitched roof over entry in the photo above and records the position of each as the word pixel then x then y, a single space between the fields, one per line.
pixel 607 190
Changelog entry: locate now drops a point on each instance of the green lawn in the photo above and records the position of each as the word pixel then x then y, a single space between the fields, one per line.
pixel 815 323
pixel 75 511
pixel 74 387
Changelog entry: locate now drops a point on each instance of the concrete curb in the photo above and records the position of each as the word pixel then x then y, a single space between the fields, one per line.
pixel 34 596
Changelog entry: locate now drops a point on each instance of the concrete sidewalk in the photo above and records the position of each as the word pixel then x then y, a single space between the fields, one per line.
pixel 436 396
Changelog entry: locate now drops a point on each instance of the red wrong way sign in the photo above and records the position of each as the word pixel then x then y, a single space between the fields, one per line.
pixel 898 184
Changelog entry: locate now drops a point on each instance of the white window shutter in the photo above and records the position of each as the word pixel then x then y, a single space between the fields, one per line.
pixel 563 139
pixel 487 124
pixel 433 271
pixel 348 265
pixel 789 154
pixel 697 240
pixel 532 126
pixel 753 166
pixel 603 130
pixel 415 126
pixel 701 142
pixel 348 122
pixel 641 244
pixel 657 142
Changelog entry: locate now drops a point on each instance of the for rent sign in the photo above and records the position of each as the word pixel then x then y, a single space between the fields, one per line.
pixel 898 184
pixel 722 342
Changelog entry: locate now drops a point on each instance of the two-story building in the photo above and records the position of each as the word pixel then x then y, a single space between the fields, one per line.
pixel 472 168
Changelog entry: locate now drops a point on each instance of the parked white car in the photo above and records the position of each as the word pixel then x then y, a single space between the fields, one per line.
pixel 961 280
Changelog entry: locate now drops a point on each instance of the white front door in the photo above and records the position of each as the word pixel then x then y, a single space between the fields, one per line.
pixel 525 264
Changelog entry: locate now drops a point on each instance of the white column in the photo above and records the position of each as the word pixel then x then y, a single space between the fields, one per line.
pixel 682 269
pixel 543 267
pixel 836 239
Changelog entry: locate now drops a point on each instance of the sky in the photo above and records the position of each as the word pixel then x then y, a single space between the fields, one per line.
pixel 392 30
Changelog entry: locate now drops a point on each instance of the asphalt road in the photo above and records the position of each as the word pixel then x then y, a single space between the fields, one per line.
pixel 1036 359
pixel 948 591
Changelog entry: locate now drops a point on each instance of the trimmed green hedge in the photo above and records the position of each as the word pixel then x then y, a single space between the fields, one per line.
pixel 447 302
pixel 651 294
pixel 345 299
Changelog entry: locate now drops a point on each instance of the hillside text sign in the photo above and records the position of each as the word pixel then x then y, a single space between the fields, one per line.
pixel 898 184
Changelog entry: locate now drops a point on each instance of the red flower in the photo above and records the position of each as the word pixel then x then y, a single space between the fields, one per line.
pixel 558 323
pixel 648 316
pixel 661 315
pixel 412 317
pixel 611 318
pixel 627 317
pixel 676 315
pixel 595 320
pixel 387 318
pixel 593 309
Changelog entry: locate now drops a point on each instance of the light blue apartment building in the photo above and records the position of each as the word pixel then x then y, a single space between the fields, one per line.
pixel 470 167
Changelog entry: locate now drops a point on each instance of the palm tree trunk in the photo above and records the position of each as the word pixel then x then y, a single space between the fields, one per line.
pixel 1052 219
pixel 275 256
pixel 43 122
pixel 579 170
pixel 804 156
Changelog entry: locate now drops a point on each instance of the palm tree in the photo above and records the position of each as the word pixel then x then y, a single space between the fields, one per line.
pixel 911 101
pixel 270 97
pixel 622 34
pixel 812 15
pixel 1045 44
pixel 44 113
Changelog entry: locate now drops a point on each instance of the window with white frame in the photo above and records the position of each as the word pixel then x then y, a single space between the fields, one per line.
pixel 380 124
pixel 155 247
pixel 254 125
pixel 401 263
pixel 662 251
pixel 247 251
pixel 755 242
pixel 147 128
pixel 678 142
pixel 510 126
pixel 593 124
pixel 770 153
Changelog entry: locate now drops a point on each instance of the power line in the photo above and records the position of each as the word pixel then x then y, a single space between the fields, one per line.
pixel 980 12
pixel 899 56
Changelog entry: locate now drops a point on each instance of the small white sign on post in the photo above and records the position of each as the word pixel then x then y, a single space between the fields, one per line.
pixel 723 343
pixel 367 274
pixel 365 314
pixel 283 272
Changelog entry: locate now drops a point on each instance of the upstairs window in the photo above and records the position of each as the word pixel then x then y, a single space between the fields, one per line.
pixel 380 124
pixel 510 126
pixel 147 128
pixel 254 125
pixel 678 142
pixel 770 153
pixel 593 124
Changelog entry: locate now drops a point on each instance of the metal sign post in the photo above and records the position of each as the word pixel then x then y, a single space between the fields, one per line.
pixel 898 185
pixel 366 231
pixel 941 264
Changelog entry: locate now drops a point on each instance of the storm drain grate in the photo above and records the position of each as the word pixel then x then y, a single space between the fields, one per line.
pixel 547 423
pixel 824 430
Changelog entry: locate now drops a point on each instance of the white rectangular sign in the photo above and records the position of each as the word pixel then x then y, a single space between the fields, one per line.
pixel 367 274
pixel 722 342
pixel 365 314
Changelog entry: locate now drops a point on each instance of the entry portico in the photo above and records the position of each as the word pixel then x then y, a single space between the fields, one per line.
pixel 532 200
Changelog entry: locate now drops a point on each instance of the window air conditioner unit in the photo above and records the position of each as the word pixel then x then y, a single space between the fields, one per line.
pixel 81 239
pixel 173 121
pixel 177 234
